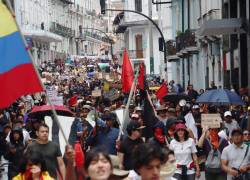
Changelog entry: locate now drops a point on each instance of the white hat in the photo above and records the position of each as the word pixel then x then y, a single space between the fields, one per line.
pixel 196 106
pixel 227 113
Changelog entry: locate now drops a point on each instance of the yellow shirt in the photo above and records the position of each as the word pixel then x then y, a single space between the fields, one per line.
pixel 45 176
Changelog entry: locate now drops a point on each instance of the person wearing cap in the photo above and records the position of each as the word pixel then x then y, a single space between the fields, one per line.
pixel 230 123
pixel 235 158
pixel 197 118
pixel 83 127
pixel 185 152
pixel 105 136
pixel 129 143
pixel 159 138
pixel 162 114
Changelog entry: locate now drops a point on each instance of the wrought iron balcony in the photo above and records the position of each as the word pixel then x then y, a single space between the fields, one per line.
pixel 136 54
pixel 62 30
pixel 67 1
pixel 185 40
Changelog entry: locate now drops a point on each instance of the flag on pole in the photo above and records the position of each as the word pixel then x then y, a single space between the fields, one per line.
pixel 127 73
pixel 17 73
pixel 149 119
pixel 141 77
pixel 162 92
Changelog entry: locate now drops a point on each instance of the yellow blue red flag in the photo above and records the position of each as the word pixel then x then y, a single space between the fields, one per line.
pixel 17 73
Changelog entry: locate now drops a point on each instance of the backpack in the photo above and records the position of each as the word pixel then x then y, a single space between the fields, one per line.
pixel 213 163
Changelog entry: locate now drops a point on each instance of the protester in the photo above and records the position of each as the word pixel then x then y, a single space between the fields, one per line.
pixel 246 136
pixel 212 145
pixel 229 123
pixel 98 164
pixel 106 135
pixel 235 158
pixel 33 166
pixel 50 151
pixel 148 160
pixel 185 153
pixel 14 151
pixel 129 143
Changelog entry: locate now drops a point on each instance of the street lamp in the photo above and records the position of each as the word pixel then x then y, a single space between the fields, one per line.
pixel 103 9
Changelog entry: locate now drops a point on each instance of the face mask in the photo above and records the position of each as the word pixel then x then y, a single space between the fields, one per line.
pixel 158 133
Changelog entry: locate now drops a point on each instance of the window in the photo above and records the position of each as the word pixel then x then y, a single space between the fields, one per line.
pixel 138 5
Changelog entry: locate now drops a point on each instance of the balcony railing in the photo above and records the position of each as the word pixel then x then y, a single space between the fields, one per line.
pixel 136 54
pixel 67 1
pixel 185 40
pixel 96 36
pixel 62 30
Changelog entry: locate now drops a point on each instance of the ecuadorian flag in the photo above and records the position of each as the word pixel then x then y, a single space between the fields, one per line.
pixel 17 73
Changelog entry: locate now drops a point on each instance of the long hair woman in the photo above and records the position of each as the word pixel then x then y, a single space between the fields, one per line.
pixel 185 153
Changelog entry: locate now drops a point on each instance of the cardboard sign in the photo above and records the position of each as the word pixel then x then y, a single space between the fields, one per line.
pixel 211 120
pixel 58 100
pixel 96 93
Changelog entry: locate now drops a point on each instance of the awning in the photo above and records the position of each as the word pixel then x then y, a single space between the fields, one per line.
pixel 221 27
pixel 43 35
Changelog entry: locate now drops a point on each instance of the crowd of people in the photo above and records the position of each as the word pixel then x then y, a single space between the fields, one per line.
pixel 171 144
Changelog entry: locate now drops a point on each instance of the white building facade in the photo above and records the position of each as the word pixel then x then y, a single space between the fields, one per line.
pixel 56 29
pixel 138 35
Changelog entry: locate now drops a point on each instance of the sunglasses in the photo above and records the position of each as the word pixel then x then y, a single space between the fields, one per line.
pixel 246 134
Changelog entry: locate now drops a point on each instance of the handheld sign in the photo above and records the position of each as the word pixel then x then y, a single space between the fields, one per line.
pixel 211 120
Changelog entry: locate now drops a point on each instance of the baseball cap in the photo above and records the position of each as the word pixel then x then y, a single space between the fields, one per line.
pixel 196 106
pixel 227 113
pixel 134 125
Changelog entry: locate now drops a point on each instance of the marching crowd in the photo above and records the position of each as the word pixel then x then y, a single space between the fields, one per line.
pixel 161 140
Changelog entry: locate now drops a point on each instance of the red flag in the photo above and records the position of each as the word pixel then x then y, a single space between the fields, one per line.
pixel 127 73
pixel 162 92
pixel 73 101
pixel 141 77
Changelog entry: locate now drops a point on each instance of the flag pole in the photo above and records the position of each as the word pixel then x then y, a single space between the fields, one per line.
pixel 55 116
pixel 128 102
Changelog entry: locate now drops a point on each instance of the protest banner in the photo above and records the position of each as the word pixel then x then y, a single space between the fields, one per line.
pixel 211 120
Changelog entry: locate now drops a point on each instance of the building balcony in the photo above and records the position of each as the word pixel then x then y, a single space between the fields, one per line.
pixel 136 55
pixel 67 1
pixel 76 9
pixel 62 30
pixel 96 36
pixel 186 42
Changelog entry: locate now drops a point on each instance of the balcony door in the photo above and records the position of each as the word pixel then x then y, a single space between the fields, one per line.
pixel 138 46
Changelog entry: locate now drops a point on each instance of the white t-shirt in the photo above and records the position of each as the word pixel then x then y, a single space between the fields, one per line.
pixel 183 153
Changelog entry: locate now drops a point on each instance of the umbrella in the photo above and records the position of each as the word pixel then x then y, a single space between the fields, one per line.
pixel 175 98
pixel 45 110
pixel 220 97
